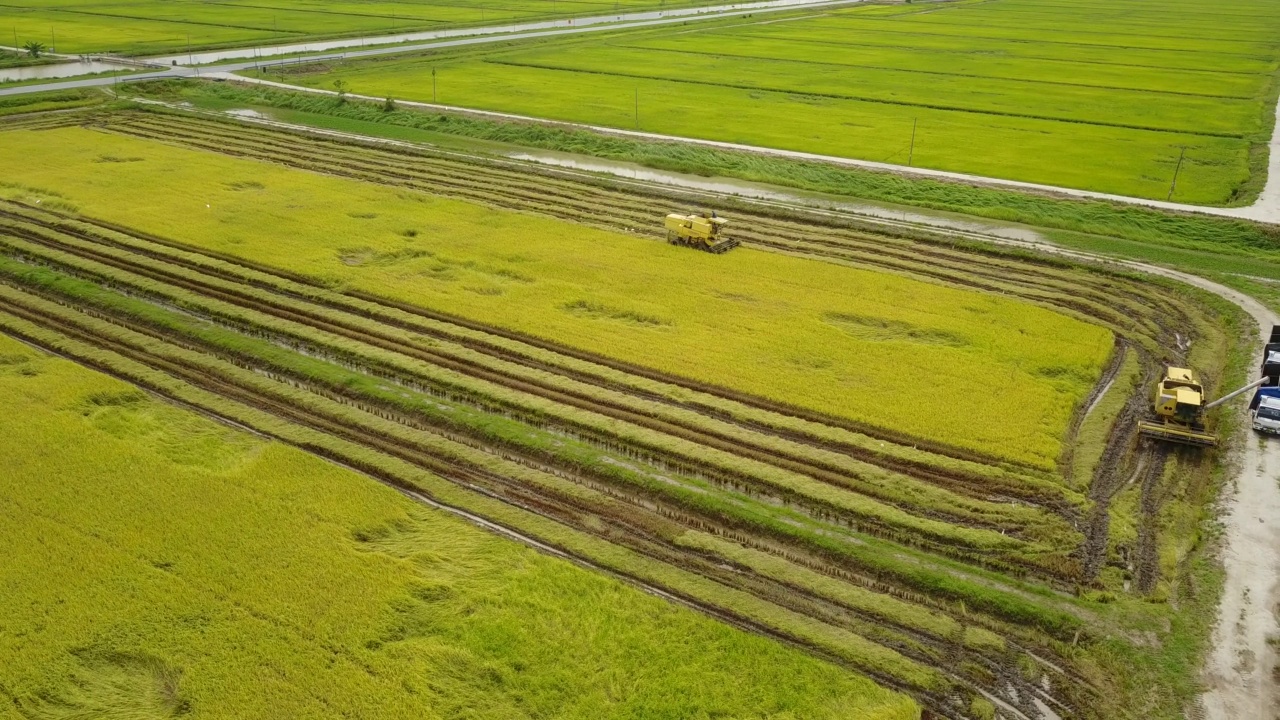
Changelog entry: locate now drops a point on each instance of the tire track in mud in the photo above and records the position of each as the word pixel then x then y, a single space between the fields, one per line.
pixel 1146 559
pixel 1086 406
pixel 737 482
pixel 359 329
pixel 1110 476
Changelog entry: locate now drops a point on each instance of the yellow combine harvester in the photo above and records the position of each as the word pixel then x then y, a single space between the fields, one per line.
pixel 1180 409
pixel 701 231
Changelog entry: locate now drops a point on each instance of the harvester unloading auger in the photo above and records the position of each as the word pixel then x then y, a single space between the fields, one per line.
pixel 702 231
pixel 1179 409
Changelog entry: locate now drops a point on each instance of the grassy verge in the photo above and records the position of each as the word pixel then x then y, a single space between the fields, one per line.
pixel 45 102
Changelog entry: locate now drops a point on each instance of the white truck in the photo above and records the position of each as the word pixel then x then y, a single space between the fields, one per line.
pixel 1266 417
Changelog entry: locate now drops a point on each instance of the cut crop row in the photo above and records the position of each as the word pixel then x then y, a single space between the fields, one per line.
pixel 677 454
pixel 803 441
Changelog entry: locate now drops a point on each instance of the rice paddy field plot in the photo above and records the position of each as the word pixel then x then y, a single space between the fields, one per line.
pixel 1092 96
pixel 169 563
pixel 138 27
pixel 456 258
pixel 889 666
pixel 931 567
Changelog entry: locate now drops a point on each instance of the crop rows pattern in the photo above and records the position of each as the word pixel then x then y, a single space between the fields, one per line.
pixel 934 570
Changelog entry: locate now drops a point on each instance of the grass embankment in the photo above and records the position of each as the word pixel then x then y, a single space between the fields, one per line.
pixel 158 568
pixel 9 59
pixel 46 102
pixel 1103 99
pixel 142 27
pixel 871 336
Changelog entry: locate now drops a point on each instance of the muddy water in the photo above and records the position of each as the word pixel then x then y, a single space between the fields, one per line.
pixel 773 193
pixel 57 70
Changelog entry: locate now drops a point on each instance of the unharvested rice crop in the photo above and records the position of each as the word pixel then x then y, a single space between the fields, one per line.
pixel 834 339
pixel 170 566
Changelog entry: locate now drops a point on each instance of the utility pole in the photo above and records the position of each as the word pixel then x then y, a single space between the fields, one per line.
pixel 912 152
pixel 190 60
pixel 433 84
pixel 1173 185
pixel 53 40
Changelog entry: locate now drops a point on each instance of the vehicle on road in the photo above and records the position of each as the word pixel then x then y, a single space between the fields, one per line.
pixel 1266 417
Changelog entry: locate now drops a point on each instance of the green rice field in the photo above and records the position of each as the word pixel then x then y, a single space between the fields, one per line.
pixel 1115 97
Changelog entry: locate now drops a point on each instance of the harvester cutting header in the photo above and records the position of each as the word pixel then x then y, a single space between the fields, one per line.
pixel 702 231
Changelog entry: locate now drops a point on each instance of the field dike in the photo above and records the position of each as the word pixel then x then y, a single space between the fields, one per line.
pixel 932 569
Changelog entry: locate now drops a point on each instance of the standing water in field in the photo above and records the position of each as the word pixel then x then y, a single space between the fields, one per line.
pixel 57 70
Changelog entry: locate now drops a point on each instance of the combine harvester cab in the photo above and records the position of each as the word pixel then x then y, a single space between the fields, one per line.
pixel 1178 411
pixel 702 231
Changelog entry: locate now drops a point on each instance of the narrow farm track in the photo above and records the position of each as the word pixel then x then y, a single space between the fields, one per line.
pixel 936 570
